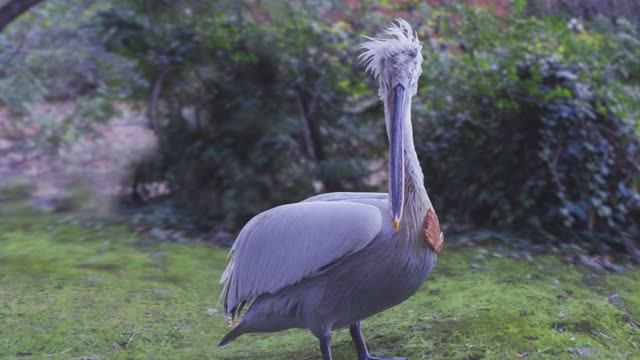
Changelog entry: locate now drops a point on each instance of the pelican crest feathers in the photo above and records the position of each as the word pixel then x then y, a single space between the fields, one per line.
pixel 397 37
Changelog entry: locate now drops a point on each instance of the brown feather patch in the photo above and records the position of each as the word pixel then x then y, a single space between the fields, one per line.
pixel 432 234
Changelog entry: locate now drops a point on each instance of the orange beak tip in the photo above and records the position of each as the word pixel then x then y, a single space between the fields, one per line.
pixel 396 223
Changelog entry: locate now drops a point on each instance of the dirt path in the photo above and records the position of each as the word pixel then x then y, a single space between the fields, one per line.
pixel 99 162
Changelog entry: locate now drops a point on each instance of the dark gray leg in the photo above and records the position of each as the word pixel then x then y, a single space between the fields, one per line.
pixel 325 345
pixel 361 346
pixel 358 340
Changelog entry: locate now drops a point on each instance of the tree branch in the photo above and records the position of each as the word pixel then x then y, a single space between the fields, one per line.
pixel 13 9
pixel 307 140
pixel 153 101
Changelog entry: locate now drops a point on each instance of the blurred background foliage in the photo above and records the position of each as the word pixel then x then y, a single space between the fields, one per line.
pixel 56 52
pixel 531 124
pixel 526 117
pixel 252 105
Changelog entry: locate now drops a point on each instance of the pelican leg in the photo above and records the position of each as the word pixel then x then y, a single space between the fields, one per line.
pixel 325 345
pixel 358 340
pixel 361 347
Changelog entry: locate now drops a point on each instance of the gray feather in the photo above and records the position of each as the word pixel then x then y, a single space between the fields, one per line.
pixel 348 196
pixel 289 243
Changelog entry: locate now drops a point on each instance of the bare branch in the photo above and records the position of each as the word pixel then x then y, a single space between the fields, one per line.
pixel 309 147
pixel 13 9
pixel 153 101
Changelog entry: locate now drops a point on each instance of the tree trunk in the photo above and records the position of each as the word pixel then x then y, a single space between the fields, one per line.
pixel 152 108
pixel 308 147
pixel 313 145
pixel 14 8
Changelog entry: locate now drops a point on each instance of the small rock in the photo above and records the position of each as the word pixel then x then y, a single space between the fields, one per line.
pixel 88 357
pixel 582 351
pixel 183 325
pixel 559 327
pixel 615 300
pixel 92 279
pixel 630 320
pixel 159 234
pixel 161 293
pixel 592 263
pixel 157 257
pixel 119 345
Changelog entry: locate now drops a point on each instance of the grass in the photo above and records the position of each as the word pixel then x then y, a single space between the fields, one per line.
pixel 72 290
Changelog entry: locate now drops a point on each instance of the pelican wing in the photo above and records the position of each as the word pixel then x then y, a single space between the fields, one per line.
pixel 289 243
pixel 349 196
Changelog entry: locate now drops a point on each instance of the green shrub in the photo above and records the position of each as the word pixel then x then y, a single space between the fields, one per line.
pixel 531 130
pixel 55 52
pixel 522 123
pixel 249 113
pixel 17 188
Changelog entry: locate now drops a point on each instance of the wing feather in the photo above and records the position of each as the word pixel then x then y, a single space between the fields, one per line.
pixel 289 243
pixel 348 196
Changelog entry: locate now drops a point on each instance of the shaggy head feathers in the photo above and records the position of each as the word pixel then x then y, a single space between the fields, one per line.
pixel 398 38
pixel 394 58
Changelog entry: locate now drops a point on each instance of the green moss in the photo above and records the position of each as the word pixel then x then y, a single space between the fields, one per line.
pixel 70 290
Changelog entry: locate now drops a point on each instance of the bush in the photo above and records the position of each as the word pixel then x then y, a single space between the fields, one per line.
pixel 523 123
pixel 54 52
pixel 253 106
pixel 529 132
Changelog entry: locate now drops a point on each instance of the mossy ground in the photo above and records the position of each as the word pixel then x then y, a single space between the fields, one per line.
pixel 70 289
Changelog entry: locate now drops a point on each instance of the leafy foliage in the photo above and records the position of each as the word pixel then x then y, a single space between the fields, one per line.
pixel 530 129
pixel 55 53
pixel 252 106
pixel 532 118
pixel 525 121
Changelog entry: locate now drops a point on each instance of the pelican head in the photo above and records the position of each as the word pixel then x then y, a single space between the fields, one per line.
pixel 396 61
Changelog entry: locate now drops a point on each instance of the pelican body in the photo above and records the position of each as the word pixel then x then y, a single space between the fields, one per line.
pixel 335 259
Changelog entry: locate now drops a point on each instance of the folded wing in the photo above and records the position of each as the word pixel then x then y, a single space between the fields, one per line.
pixel 289 243
pixel 348 196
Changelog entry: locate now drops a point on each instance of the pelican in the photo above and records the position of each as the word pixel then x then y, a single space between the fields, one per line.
pixel 335 259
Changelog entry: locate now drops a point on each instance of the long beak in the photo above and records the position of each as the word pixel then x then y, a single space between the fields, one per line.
pixel 396 155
